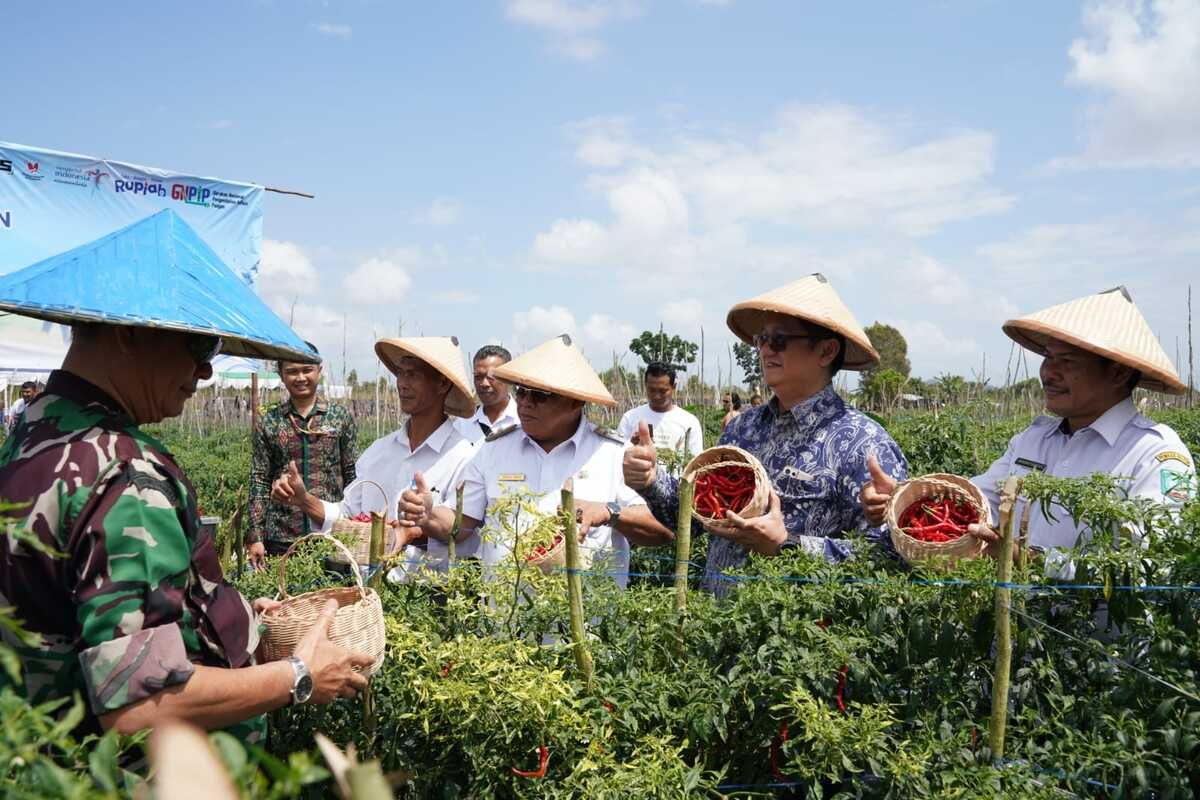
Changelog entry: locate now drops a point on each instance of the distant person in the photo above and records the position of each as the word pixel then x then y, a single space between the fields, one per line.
pixel 1096 350
pixel 733 407
pixel 319 436
pixel 497 409
pixel 671 427
pixel 756 399
pixel 29 391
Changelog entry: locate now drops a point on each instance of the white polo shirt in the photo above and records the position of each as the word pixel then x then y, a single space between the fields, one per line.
pixel 391 463
pixel 469 427
pixel 512 461
pixel 675 429
pixel 1150 458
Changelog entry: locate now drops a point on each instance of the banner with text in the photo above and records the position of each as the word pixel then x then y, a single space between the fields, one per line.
pixel 51 202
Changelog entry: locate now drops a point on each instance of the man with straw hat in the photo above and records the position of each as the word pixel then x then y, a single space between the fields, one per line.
pixel 811 443
pixel 555 441
pixel 428 452
pixel 1095 351
pixel 108 563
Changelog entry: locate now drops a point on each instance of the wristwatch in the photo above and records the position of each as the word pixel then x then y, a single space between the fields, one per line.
pixel 614 513
pixel 302 686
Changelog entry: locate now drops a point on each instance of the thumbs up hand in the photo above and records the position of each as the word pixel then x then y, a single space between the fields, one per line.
pixel 288 489
pixel 876 492
pixel 416 503
pixel 639 465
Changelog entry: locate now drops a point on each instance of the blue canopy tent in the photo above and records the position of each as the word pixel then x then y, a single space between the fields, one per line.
pixel 156 273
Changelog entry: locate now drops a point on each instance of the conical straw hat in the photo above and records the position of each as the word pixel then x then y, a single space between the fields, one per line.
pixel 557 366
pixel 811 299
pixel 439 352
pixel 1107 324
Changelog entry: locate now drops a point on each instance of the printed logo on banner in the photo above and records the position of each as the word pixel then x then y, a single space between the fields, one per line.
pixel 192 195
pixel 69 176
pixel 6 218
pixel 5 165
pixel 149 188
pixel 96 175
pixel 32 171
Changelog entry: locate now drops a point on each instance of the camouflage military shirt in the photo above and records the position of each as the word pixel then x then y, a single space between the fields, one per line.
pixel 324 448
pixel 136 596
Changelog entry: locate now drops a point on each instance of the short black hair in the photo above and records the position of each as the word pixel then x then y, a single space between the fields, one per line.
pixel 492 351
pixel 736 400
pixel 657 369
pixel 28 385
pixel 279 364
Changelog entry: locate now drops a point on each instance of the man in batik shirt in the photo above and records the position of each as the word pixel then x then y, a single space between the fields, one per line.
pixel 319 436
pixel 812 444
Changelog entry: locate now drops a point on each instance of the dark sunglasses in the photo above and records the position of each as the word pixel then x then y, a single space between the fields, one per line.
pixel 535 396
pixel 778 342
pixel 203 348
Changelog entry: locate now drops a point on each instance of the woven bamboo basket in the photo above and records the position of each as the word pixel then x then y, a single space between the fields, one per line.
pixel 357 626
pixel 937 484
pixel 556 557
pixel 730 456
pixel 359 533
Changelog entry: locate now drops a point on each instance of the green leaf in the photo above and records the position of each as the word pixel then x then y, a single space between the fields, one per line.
pixel 102 761
pixel 232 754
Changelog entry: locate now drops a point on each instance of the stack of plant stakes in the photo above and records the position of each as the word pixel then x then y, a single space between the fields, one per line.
pixel 871 678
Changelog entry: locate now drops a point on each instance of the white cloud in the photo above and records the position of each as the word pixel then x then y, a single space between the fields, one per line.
pixel 684 314
pixel 285 270
pixel 332 29
pixel 442 211
pixel 573 25
pixel 604 141
pixel 598 337
pixel 1142 60
pixel 377 282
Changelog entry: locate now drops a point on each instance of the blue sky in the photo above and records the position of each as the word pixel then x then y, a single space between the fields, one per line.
pixel 508 170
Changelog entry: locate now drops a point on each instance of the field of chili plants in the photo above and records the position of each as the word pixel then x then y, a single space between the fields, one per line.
pixel 864 679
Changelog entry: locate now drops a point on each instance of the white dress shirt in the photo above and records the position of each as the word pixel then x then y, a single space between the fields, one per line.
pixel 469 427
pixel 391 463
pixel 514 461
pixel 1149 457
pixel 674 429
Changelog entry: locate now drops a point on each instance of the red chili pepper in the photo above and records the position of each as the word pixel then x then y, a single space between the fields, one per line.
pixel 841 688
pixel 446 668
pixel 543 761
pixel 780 739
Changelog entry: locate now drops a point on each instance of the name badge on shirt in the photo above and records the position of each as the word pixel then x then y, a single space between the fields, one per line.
pixel 511 477
pixel 1029 463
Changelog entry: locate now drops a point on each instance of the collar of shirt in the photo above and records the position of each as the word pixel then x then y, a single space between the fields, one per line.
pixel 509 412
pixel 435 441
pixel 811 412
pixel 82 392
pixel 574 442
pixel 319 407
pixel 1109 425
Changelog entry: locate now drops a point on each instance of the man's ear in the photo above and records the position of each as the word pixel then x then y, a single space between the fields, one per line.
pixel 829 351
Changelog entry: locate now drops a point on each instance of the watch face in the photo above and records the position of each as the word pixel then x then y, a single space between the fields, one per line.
pixel 304 688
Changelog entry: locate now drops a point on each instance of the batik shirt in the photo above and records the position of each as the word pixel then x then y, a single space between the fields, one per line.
pixel 135 597
pixel 324 449
pixel 816 457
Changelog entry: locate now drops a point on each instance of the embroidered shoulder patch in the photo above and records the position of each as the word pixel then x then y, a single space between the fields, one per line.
pixel 1175 484
pixel 494 435
pixel 1171 455
pixel 1029 463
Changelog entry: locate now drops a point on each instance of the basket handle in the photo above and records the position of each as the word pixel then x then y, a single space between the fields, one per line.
pixel 357 481
pixel 283 595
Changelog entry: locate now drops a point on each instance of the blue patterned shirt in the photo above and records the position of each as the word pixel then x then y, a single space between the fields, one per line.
pixel 816 455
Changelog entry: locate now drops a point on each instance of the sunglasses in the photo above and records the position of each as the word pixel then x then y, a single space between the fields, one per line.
pixel 535 396
pixel 203 348
pixel 778 342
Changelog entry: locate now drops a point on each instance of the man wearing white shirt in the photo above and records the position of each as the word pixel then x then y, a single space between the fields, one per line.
pixel 1096 350
pixel 672 428
pixel 555 442
pixel 497 409
pixel 428 449
pixel 28 392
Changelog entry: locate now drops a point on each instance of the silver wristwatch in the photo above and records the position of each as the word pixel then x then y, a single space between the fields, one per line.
pixel 302 686
pixel 614 513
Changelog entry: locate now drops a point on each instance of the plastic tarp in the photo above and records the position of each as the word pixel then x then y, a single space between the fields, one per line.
pixel 156 272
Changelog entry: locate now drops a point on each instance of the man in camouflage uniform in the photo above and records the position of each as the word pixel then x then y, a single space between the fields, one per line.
pixel 127 592
pixel 319 437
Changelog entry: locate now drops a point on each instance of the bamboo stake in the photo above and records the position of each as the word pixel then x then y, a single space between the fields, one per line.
pixel 375 559
pixel 575 584
pixel 683 554
pixel 452 543
pixel 1008 498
